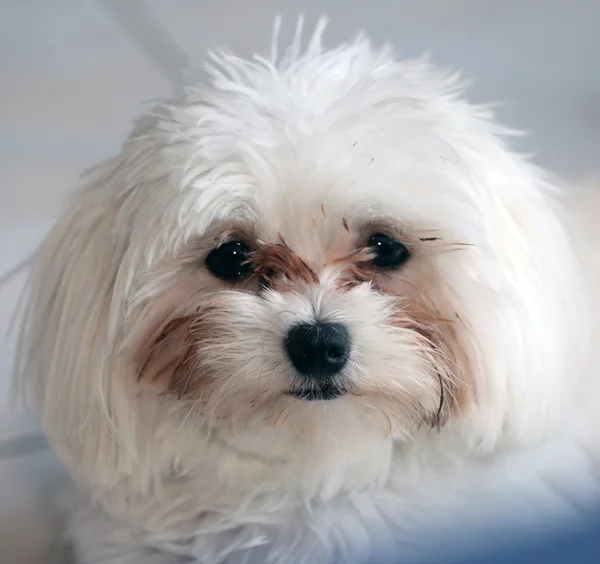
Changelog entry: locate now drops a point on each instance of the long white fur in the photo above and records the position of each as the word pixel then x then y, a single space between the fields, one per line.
pixel 269 140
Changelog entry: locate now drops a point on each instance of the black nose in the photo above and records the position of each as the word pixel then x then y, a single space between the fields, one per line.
pixel 319 349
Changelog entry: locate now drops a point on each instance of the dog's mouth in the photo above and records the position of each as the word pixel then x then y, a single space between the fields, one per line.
pixel 321 392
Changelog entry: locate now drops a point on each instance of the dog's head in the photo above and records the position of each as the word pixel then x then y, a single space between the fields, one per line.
pixel 326 242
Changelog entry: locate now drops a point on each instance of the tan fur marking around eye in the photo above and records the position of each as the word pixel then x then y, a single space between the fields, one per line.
pixel 278 264
pixel 356 268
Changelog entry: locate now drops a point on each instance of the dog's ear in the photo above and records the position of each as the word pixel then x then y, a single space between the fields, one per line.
pixel 534 294
pixel 71 316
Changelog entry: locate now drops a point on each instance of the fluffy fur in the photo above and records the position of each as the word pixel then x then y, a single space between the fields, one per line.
pixel 163 388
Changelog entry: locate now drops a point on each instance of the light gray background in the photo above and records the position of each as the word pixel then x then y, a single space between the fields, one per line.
pixel 71 81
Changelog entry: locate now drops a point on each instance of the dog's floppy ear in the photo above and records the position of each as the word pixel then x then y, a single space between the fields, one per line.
pixel 64 362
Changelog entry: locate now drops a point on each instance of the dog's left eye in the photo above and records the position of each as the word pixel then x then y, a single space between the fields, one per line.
pixel 388 253
pixel 230 261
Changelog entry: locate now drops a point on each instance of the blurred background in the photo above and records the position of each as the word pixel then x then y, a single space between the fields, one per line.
pixel 72 78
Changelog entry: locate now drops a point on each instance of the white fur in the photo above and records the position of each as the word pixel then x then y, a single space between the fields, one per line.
pixel 295 144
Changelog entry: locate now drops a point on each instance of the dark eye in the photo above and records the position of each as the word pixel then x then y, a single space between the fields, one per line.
pixel 388 253
pixel 230 261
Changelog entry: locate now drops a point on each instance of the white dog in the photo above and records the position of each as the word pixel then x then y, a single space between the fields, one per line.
pixel 313 309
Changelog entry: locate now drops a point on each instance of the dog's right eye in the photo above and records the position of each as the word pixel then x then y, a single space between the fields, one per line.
pixel 230 261
pixel 387 252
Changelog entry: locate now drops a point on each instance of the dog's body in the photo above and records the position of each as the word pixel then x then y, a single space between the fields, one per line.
pixel 367 200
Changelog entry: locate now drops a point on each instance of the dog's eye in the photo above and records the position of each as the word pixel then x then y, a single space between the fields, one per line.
pixel 230 261
pixel 388 253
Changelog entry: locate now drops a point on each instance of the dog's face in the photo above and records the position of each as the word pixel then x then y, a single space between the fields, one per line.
pixel 310 289
pixel 337 239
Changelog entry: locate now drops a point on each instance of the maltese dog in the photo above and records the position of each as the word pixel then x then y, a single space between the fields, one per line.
pixel 315 308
